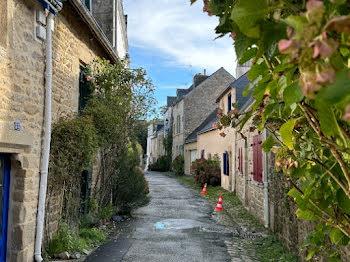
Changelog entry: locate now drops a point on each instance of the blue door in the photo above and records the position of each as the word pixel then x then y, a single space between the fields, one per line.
pixel 4 202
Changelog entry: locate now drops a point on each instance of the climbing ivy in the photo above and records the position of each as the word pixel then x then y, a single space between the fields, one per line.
pixel 300 80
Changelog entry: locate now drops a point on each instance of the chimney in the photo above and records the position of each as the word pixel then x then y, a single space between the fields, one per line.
pixel 205 71
pixel 198 79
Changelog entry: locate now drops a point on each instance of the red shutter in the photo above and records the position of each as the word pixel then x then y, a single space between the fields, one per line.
pixel 255 164
pixel 257 158
pixel 241 160
pixel 260 159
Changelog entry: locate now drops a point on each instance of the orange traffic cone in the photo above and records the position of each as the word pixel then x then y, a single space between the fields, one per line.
pixel 204 191
pixel 219 204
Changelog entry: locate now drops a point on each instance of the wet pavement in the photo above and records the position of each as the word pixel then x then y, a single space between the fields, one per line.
pixel 177 225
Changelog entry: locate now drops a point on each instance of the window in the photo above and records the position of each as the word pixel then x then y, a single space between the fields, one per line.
pixel 257 158
pixel 229 102
pixel 226 164
pixel 88 4
pixel 240 160
pixel 84 90
pixel 178 122
pixel 202 153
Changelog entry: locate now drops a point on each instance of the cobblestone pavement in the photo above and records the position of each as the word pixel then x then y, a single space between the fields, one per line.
pixel 177 225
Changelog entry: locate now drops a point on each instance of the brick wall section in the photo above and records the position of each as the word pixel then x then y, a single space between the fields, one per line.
pixel 200 102
pixel 22 68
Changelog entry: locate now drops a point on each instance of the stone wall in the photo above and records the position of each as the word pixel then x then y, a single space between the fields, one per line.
pixel 178 137
pixel 22 65
pixel 201 101
pixel 250 192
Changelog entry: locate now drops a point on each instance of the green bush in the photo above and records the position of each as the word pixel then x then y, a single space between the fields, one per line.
pixel 131 186
pixel 93 236
pixel 68 240
pixel 89 220
pixel 162 164
pixel 207 171
pixel 178 165
pixel 107 212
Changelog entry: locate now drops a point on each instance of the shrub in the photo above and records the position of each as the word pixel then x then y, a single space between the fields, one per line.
pixel 207 171
pixel 107 212
pixel 162 164
pixel 89 220
pixel 93 236
pixel 68 240
pixel 178 165
pixel 131 185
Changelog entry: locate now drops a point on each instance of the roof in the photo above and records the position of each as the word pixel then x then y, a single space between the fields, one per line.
pixel 170 100
pixel 239 84
pixel 199 80
pixel 182 92
pixel 205 126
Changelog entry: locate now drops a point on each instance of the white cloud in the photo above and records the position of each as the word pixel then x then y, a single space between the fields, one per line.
pixel 180 32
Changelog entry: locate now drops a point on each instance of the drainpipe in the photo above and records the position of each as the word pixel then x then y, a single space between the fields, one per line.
pixel 266 186
pixel 47 140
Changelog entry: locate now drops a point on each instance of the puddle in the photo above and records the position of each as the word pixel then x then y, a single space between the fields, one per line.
pixel 177 224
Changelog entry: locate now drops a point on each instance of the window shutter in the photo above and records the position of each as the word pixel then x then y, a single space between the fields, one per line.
pixel 229 103
pixel 224 163
pixel 257 159
pixel 260 159
pixel 239 159
pixel 240 164
pixel 227 164
pixel 242 160
pixel 255 164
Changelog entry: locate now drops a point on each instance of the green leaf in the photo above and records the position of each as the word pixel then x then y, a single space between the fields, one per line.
pixel 297 22
pixel 247 13
pixel 292 94
pixel 268 144
pixel 343 201
pixel 311 253
pixel 338 238
pixel 244 121
pixel 286 132
pixel 306 215
pixel 256 71
pixel 338 91
pixel 249 54
pixel 329 124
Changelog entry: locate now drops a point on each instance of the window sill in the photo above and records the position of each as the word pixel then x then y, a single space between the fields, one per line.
pixel 258 184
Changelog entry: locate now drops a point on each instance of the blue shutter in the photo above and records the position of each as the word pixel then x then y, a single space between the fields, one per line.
pixel 224 162
pixel 229 103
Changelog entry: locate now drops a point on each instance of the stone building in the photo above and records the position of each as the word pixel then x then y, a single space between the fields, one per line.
pixel 110 16
pixel 25 49
pixel 207 141
pixel 195 104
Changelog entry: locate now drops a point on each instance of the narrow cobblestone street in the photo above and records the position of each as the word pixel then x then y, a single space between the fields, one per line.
pixel 177 225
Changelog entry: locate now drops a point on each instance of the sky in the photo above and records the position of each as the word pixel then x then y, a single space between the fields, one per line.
pixel 173 41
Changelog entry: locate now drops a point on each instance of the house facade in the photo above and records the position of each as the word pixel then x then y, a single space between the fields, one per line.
pixel 197 104
pixel 77 40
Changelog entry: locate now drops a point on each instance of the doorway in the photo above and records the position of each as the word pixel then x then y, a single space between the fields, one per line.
pixel 4 203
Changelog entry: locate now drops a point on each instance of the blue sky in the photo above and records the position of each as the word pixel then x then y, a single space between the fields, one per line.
pixel 174 41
